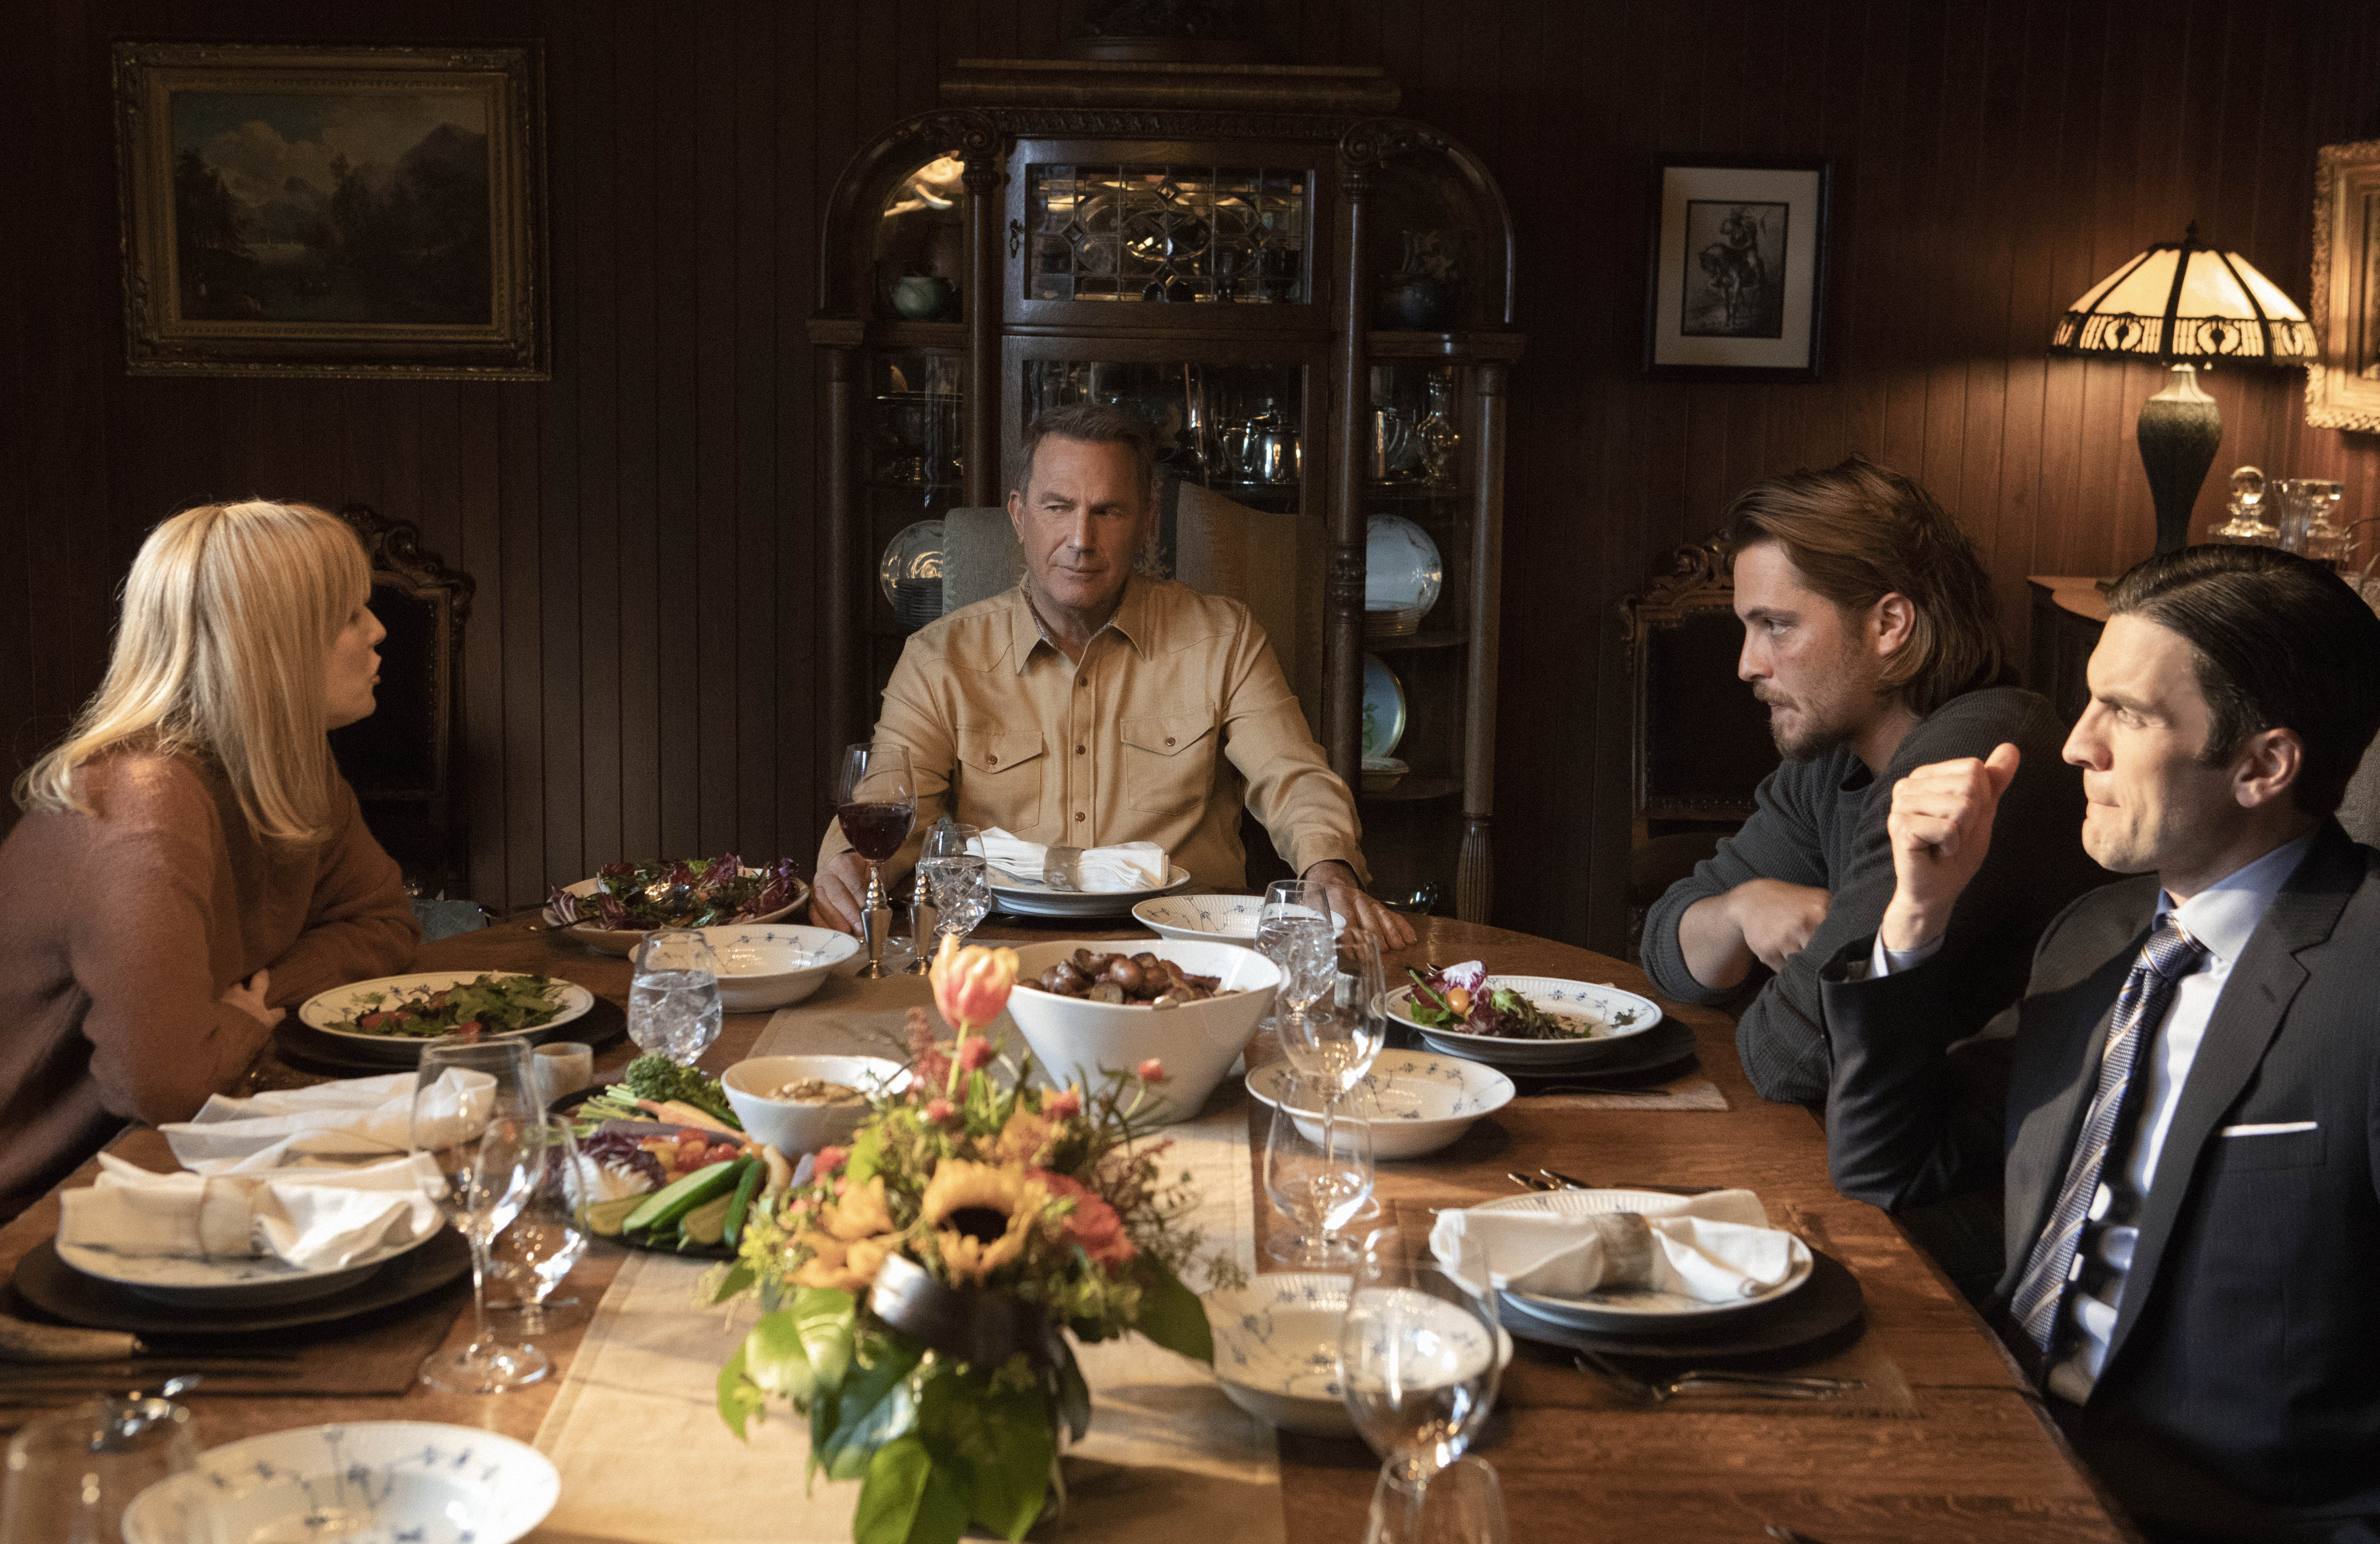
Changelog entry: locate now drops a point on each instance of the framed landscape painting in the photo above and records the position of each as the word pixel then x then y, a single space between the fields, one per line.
pixel 1736 285
pixel 354 211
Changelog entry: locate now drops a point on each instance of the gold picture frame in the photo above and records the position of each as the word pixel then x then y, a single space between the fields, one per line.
pixel 331 211
pixel 2343 382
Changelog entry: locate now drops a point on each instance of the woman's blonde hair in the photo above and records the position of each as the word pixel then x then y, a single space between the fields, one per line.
pixel 229 615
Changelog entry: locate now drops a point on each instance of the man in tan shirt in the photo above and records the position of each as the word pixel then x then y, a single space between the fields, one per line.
pixel 1091 705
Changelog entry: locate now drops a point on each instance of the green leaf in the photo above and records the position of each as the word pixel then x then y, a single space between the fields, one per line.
pixel 1170 1313
pixel 875 1406
pixel 740 1399
pixel 908 1499
pixel 802 1353
pixel 1073 1395
pixel 826 1317
pixel 996 1431
pixel 732 1284
pixel 867 1156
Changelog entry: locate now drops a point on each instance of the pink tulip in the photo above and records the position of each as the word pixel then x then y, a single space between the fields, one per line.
pixel 1151 1071
pixel 939 1111
pixel 971 984
pixel 1064 1105
pixel 976 1053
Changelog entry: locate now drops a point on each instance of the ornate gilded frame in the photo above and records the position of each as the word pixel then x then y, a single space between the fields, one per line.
pixel 1702 580
pixel 160 339
pixel 2343 383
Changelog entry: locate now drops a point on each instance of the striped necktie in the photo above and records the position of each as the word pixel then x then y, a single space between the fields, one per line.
pixel 2168 955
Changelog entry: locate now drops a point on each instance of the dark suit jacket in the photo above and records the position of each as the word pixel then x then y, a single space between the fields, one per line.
pixel 2247 1343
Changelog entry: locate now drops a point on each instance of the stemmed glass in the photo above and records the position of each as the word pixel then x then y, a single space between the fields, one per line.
pixel 1331 1045
pixel 876 800
pixel 1417 1368
pixel 477 1142
pixel 1293 931
pixel 673 994
pixel 546 1238
pixel 71 1475
pixel 955 868
pixel 1319 1178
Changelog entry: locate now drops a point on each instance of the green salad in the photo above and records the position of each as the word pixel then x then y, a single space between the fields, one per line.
pixel 487 1004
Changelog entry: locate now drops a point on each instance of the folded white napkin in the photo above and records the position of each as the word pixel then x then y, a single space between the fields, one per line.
pixel 355 1118
pixel 1715 1248
pixel 314 1218
pixel 1132 865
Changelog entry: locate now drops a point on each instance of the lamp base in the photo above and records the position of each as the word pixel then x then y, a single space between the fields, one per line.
pixel 2179 430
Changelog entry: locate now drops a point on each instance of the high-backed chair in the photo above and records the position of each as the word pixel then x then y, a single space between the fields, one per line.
pixel 405 760
pixel 1698 741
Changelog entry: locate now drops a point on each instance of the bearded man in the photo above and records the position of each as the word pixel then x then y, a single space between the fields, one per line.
pixel 1870 631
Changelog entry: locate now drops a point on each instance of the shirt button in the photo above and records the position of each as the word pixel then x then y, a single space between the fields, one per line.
pixel 990 759
pixel 1078 815
pixel 1079 750
pixel 1082 680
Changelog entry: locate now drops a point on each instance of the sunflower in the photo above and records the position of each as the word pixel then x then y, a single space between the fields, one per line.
pixel 850 1267
pixel 1025 1139
pixel 981 1215
pixel 859 1213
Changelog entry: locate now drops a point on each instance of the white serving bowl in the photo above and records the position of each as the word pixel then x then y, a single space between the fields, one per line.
pixel 1418 1101
pixel 764 966
pixel 1073 1040
pixel 360 1480
pixel 1209 919
pixel 793 1128
pixel 622 940
pixel 1277 1348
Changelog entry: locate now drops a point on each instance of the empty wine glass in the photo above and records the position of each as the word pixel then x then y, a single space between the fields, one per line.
pixel 954 862
pixel 1418 1368
pixel 1293 931
pixel 1335 1040
pixel 71 1475
pixel 1319 1173
pixel 876 801
pixel 674 996
pixel 546 1238
pixel 477 1145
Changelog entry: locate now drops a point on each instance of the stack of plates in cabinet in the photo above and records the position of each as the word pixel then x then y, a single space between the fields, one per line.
pixel 1402 575
pixel 911 575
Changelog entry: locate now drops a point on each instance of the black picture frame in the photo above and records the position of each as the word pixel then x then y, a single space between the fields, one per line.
pixel 1735 271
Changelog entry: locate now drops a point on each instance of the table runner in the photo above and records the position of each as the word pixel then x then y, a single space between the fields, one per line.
pixel 635 1433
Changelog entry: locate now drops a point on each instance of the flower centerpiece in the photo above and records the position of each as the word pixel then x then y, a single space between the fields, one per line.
pixel 917 1292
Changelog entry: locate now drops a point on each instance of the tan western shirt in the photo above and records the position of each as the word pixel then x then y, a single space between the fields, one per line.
pixel 1177 712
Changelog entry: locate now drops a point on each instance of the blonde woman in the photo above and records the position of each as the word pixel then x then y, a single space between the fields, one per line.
pixel 190 862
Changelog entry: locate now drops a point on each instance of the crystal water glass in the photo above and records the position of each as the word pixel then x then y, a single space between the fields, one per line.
pixel 476 1142
pixel 1418 1368
pixel 1318 1175
pixel 674 996
pixel 953 863
pixel 548 1236
pixel 71 1475
pixel 1340 1033
pixel 1293 931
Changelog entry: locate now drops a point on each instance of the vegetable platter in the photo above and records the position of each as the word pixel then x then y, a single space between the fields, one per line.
pixel 670 1168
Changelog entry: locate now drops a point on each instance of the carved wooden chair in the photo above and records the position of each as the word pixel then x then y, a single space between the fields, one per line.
pixel 1698 741
pixel 405 761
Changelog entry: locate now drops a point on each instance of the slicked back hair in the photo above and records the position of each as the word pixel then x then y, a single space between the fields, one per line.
pixel 1095 425
pixel 1859 531
pixel 2276 642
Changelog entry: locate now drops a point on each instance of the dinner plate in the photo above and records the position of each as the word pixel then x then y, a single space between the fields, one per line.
pixel 1623 1015
pixel 57 1289
pixel 418 1481
pixel 1276 1347
pixel 310 1050
pixel 1026 897
pixel 1633 1313
pixel 1665 1045
pixel 1384 708
pixel 231 1284
pixel 324 1009
pixel 622 940
pixel 1827 1304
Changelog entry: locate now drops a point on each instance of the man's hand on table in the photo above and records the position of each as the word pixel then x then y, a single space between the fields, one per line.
pixel 1766 919
pixel 1362 914
pixel 838 893
pixel 249 998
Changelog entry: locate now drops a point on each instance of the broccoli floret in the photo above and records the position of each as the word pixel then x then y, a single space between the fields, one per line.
pixel 653 1076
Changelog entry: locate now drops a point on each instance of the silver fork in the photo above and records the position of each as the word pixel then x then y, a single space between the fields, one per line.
pixel 1743 1385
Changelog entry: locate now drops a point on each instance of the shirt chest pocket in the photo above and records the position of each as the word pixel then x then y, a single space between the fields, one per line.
pixel 999 777
pixel 1169 760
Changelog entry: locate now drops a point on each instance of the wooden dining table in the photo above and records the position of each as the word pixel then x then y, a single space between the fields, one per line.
pixel 1971 1455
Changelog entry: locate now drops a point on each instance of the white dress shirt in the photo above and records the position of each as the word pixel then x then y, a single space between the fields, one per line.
pixel 2221 919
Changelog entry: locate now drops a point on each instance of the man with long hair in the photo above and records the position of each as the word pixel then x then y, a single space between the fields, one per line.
pixel 1870 631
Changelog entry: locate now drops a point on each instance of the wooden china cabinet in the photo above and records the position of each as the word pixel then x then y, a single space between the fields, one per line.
pixel 1307 298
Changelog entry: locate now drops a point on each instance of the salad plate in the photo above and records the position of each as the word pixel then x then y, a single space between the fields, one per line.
pixel 325 1011
pixel 1191 919
pixel 258 1283
pixel 1419 1101
pixel 1402 569
pixel 1276 1347
pixel 1029 898
pixel 1617 1015
pixel 418 1481
pixel 1633 1313
pixel 1384 709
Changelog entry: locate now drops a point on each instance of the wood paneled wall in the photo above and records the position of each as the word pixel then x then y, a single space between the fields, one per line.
pixel 642 665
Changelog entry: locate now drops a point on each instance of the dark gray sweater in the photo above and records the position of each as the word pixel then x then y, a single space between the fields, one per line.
pixel 1823 822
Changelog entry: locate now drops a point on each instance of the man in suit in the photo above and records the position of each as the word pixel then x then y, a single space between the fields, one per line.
pixel 2192 1136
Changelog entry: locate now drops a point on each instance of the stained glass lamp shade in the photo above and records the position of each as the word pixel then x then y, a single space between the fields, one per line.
pixel 2184 303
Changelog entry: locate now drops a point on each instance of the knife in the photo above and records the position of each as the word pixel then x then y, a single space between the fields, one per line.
pixel 1062 868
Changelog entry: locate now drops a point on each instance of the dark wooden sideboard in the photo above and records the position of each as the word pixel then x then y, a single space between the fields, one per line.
pixel 2067 616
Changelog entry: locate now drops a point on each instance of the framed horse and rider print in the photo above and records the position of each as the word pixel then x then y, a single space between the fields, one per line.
pixel 1736 284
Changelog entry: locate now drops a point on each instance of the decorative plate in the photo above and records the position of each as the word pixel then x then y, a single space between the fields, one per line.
pixel 1642 1313
pixel 364 1482
pixel 1419 1101
pixel 1277 1348
pixel 1205 918
pixel 911 575
pixel 1402 571
pixel 1622 1014
pixel 1028 898
pixel 324 1009
pixel 1384 708
pixel 264 1282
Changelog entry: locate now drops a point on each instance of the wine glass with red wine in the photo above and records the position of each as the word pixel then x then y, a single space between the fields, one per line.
pixel 876 801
